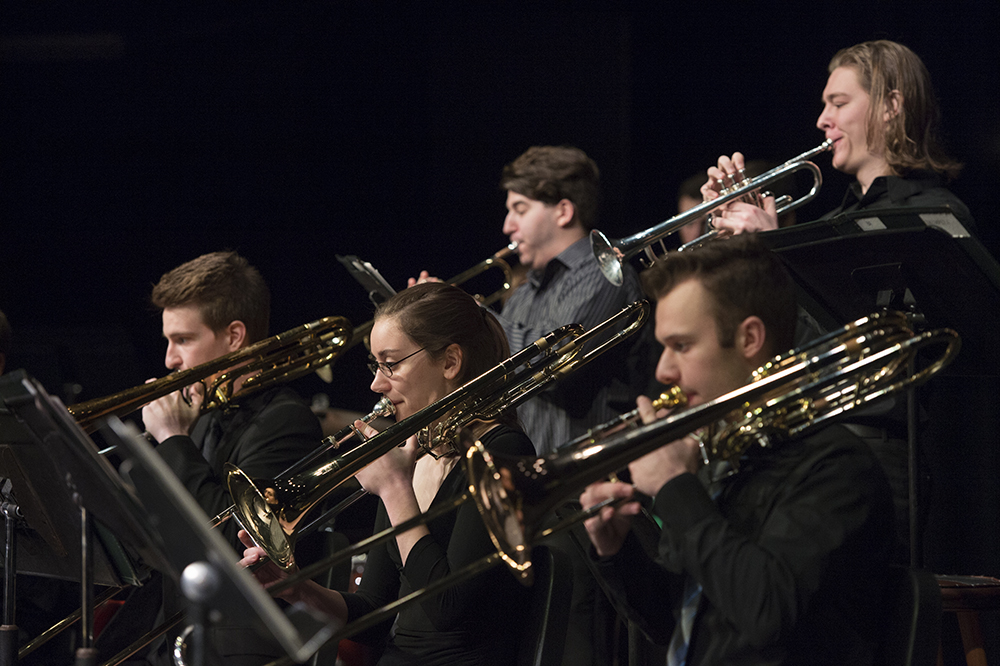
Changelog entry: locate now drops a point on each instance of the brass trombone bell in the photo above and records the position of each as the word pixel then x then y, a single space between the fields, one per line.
pixel 280 358
pixel 271 511
pixel 612 255
pixel 865 361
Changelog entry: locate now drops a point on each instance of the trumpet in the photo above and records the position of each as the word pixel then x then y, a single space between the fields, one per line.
pixel 612 255
pixel 865 361
pixel 280 358
pixel 272 511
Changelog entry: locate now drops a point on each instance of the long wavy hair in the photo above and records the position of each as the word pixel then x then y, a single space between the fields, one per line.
pixel 909 139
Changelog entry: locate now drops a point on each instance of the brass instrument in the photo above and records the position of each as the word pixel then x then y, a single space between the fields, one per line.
pixel 280 358
pixel 863 362
pixel 612 255
pixel 271 512
pixel 383 407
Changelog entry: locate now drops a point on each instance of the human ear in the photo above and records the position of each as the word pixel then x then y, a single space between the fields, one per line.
pixel 453 358
pixel 565 213
pixel 751 336
pixel 236 335
pixel 893 103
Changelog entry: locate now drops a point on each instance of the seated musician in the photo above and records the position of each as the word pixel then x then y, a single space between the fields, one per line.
pixel 427 341
pixel 782 562
pixel 879 108
pixel 213 305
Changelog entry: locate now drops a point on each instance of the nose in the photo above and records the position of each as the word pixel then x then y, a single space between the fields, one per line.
pixel 509 226
pixel 666 368
pixel 172 360
pixel 824 122
pixel 380 383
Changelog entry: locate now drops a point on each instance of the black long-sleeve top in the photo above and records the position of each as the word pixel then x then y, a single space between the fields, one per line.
pixel 478 622
pixel 791 557
pixel 920 189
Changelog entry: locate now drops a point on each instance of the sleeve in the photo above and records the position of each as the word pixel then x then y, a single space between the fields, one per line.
pixel 646 592
pixel 281 434
pixel 379 586
pixel 762 574
pixel 430 560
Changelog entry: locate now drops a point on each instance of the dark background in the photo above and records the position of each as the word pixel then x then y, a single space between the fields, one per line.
pixel 136 136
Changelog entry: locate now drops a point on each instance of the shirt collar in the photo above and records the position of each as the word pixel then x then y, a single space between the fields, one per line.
pixel 571 258
pixel 899 188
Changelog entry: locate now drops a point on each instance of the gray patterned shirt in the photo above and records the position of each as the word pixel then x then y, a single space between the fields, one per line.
pixel 571 289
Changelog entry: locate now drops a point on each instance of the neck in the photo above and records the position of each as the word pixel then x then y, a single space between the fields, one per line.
pixel 867 175
pixel 559 244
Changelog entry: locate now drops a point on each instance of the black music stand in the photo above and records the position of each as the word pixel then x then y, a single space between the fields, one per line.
pixel 167 527
pixel 60 485
pixel 922 261
pixel 368 276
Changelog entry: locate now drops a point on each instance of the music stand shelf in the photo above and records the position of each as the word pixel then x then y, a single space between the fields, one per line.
pixel 922 260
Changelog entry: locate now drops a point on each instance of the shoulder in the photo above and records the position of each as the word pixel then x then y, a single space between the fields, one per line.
pixel 285 409
pixel 829 455
pixel 509 441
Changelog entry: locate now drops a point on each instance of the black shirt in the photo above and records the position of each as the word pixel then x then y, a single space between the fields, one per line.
pixel 919 189
pixel 477 622
pixel 791 557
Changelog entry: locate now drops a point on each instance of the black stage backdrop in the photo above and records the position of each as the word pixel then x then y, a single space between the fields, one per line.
pixel 136 136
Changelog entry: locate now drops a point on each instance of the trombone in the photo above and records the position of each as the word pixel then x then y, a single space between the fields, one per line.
pixel 271 511
pixel 795 392
pixel 612 255
pixel 280 358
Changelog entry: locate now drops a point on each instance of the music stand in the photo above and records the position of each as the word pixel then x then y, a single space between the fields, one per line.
pixel 167 527
pixel 368 276
pixel 919 260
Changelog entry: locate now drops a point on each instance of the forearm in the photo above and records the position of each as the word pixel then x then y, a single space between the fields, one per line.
pixel 401 505
pixel 312 594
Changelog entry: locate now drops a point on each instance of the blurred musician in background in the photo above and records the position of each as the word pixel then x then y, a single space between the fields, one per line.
pixel 213 305
pixel 552 204
pixel 879 109
pixel 783 562
pixel 426 342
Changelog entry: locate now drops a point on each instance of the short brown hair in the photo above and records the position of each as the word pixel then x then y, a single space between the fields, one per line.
pixel 224 286
pixel 552 173
pixel 909 140
pixel 744 279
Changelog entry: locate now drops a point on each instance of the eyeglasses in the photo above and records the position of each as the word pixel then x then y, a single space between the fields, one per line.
pixel 386 367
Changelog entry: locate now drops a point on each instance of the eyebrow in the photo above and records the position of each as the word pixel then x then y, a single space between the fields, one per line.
pixel 834 95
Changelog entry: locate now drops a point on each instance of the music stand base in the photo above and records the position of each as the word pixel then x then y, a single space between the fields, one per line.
pixel 8 644
pixel 86 657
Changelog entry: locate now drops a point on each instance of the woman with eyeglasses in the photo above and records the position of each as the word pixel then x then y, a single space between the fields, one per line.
pixel 426 342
